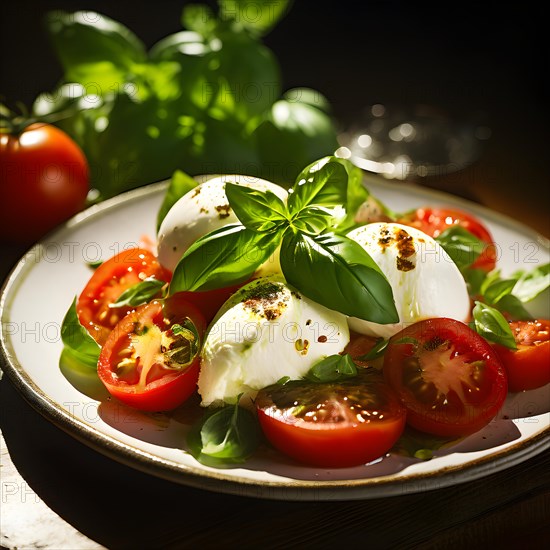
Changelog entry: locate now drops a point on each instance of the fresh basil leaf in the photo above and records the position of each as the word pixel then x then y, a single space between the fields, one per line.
pixel 323 183
pixel 77 341
pixel 494 292
pixel 492 325
pixel 258 210
pixel 258 16
pixel 462 246
pixel 291 135
pixel 223 257
pixel 313 220
pixel 225 436
pixel 532 283
pixel 89 43
pixel 308 96
pixel 337 273
pixel 376 351
pixel 332 368
pixel 416 444
pixel 180 184
pixel 199 18
pixel 140 293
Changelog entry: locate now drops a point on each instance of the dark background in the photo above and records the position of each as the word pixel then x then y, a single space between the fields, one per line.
pixel 467 59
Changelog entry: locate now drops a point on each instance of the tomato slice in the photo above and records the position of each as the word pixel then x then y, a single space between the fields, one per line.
pixel 528 367
pixel 433 221
pixel 332 425
pixel 448 377
pixel 108 282
pixel 150 360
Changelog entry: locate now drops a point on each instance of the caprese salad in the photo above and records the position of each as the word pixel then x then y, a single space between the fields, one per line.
pixel 314 318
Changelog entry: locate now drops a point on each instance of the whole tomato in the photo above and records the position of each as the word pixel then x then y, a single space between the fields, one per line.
pixel 44 180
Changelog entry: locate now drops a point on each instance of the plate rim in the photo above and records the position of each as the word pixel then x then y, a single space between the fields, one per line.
pixel 219 481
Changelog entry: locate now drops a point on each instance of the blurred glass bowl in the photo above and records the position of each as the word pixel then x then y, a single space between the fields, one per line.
pixel 417 142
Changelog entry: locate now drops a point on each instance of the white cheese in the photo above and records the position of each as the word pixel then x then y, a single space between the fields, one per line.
pixel 424 279
pixel 201 210
pixel 266 331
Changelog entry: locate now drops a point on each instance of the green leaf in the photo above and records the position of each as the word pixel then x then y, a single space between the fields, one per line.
pixel 84 39
pixel 258 16
pixel 199 18
pixel 180 184
pixel 223 257
pixel 323 183
pixel 293 135
pixel 257 210
pixel 492 325
pixel 225 436
pixel 495 291
pixel 77 341
pixel 376 351
pixel 332 368
pixel 462 246
pixel 337 273
pixel 94 265
pixel 532 283
pixel 313 220
pixel 140 293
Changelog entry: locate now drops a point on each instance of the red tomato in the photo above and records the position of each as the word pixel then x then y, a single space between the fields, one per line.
pixel 108 282
pixel 44 180
pixel 528 367
pixel 433 221
pixel 332 425
pixel 448 377
pixel 151 359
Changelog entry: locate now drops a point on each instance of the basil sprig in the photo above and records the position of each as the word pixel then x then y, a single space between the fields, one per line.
pixel 228 435
pixel 462 246
pixel 225 256
pixel 511 294
pixel 326 267
pixel 77 341
pixel 491 324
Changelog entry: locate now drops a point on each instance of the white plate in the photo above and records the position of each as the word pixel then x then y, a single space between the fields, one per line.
pixel 41 287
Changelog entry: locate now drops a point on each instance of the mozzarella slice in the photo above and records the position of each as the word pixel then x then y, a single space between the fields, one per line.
pixel 264 332
pixel 424 279
pixel 201 210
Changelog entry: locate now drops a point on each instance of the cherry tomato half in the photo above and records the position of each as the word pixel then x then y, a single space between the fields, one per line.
pixel 528 367
pixel 448 377
pixel 108 282
pixel 44 180
pixel 433 221
pixel 150 360
pixel 332 425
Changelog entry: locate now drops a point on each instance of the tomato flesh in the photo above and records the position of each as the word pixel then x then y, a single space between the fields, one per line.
pixel 528 367
pixel 332 425
pixel 44 180
pixel 108 282
pixel 447 376
pixel 150 360
pixel 433 221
